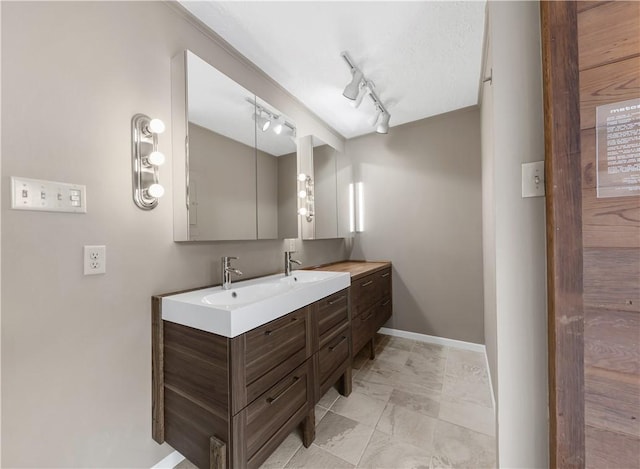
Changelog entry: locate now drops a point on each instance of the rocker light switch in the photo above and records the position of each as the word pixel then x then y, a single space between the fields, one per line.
pixel 533 179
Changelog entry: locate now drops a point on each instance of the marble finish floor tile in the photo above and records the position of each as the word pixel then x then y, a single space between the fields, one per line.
pixel 430 350
pixel 466 389
pixel 387 452
pixel 359 407
pixel 472 416
pixel 314 457
pixel 459 447
pixel 384 341
pixel 320 412
pixel 382 392
pixel 329 398
pixel 342 437
pixel 426 404
pixel 283 454
pixel 410 427
pixel 393 355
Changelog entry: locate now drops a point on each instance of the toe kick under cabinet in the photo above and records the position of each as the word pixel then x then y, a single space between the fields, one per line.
pixel 229 402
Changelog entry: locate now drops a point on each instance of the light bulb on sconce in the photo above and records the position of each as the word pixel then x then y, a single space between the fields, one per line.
pixel 156 126
pixel 302 194
pixel 146 161
pixel 302 177
pixel 302 211
pixel 155 190
pixel 156 158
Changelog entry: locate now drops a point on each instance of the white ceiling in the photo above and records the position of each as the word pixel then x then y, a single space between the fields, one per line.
pixel 424 57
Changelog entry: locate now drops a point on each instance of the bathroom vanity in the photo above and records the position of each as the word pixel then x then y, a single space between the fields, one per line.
pixel 371 299
pixel 233 374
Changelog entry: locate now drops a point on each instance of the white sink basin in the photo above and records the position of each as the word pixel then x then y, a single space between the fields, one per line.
pixel 251 303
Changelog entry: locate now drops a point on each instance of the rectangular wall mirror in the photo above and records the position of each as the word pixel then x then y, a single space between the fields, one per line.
pixel 331 183
pixel 232 159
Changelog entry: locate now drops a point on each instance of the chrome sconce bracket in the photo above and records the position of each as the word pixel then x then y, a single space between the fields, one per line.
pixel 145 161
pixel 306 194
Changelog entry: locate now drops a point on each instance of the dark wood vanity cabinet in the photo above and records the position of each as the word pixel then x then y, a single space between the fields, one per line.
pixel 229 402
pixel 332 359
pixel 371 307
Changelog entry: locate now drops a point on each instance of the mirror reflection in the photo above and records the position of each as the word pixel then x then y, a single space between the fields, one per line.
pixel 239 159
pixel 276 163
pixel 331 175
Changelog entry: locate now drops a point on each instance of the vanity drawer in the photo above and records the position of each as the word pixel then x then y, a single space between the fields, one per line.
pixel 384 282
pixel 273 408
pixel 364 292
pixel 383 312
pixel 269 347
pixel 332 313
pixel 362 328
pixel 332 355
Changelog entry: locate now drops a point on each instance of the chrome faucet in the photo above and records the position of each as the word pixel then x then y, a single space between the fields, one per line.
pixel 288 261
pixel 227 270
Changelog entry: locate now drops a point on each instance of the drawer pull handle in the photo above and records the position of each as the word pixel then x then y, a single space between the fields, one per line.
pixel 271 332
pixel 332 302
pixel 271 400
pixel 385 275
pixel 386 303
pixel 366 284
pixel 344 337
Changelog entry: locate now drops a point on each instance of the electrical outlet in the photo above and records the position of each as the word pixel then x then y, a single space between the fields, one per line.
pixel 95 260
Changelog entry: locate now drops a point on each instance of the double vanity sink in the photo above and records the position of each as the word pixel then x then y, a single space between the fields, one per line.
pixel 251 303
pixel 236 370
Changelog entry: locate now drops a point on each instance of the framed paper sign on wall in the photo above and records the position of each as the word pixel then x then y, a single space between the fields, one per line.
pixel 618 149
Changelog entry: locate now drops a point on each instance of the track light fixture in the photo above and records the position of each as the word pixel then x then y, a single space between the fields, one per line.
pixel 266 119
pixel 358 88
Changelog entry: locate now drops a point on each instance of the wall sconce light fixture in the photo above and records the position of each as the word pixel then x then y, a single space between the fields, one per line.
pixel 306 196
pixel 145 160
pixel 358 87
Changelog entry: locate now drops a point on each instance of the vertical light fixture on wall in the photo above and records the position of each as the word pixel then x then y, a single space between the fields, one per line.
pixel 146 160
pixel 359 195
pixel 306 197
pixel 352 209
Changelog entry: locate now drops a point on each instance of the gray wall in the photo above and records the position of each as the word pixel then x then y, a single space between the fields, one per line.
pixel 76 350
pixel 287 196
pixel 223 172
pixel 513 134
pixel 423 213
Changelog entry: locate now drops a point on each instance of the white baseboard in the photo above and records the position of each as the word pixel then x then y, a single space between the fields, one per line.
pixel 170 461
pixel 433 339
pixel 493 396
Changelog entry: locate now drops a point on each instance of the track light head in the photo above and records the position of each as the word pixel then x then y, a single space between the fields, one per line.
pixel 352 89
pixel 383 124
pixel 365 89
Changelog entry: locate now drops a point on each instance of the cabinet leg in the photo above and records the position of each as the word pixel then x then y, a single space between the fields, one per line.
pixel 309 428
pixel 217 454
pixel 372 349
pixel 345 382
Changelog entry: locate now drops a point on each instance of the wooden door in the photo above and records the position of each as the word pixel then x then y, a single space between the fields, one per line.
pixel 591 55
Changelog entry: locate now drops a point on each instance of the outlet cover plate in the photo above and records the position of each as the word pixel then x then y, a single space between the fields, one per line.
pixel 95 260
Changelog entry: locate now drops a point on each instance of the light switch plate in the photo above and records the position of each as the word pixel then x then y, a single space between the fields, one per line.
pixel 533 179
pixel 47 196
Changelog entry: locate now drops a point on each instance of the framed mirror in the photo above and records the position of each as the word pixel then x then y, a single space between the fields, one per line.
pixel 330 213
pixel 231 149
